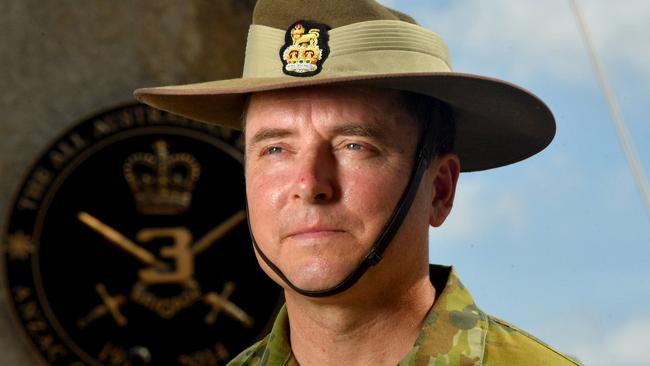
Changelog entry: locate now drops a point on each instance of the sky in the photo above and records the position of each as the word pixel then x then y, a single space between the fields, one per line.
pixel 559 244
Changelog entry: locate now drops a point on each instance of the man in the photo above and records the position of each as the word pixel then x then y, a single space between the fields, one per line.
pixel 356 131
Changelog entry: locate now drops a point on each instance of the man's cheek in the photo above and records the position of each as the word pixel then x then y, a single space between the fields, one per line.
pixel 266 190
pixel 372 191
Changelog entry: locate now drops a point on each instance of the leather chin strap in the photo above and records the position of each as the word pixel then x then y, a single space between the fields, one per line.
pixel 375 255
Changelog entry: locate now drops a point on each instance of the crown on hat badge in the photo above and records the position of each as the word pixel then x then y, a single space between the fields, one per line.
pixel 304 50
pixel 161 183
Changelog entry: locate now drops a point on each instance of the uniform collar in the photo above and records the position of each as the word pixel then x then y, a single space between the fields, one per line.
pixel 453 333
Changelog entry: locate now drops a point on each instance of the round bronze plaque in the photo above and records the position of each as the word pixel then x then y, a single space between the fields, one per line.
pixel 127 244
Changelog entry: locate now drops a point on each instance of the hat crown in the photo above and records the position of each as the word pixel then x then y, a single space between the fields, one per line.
pixel 335 13
pixel 347 38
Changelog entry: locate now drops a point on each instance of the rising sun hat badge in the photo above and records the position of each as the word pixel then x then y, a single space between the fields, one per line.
pixel 305 48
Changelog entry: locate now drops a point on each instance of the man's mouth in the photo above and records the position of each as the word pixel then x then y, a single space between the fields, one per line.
pixel 314 232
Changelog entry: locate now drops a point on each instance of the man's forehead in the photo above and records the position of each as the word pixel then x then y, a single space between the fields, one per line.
pixel 375 104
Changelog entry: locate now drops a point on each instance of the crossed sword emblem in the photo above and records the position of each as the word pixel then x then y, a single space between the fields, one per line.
pixel 111 304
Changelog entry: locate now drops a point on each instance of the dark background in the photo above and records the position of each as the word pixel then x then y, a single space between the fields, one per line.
pixel 65 60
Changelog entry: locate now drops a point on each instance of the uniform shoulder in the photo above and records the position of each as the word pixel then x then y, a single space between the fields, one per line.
pixel 506 344
pixel 252 355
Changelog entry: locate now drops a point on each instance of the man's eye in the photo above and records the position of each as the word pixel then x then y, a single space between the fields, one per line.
pixel 274 150
pixel 353 146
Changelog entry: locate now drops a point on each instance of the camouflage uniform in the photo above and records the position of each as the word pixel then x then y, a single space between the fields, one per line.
pixel 455 332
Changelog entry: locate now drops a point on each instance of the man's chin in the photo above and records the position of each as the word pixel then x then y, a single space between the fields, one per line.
pixel 314 284
pixel 313 278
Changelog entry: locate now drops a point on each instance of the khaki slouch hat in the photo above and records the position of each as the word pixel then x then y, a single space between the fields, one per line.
pixel 299 43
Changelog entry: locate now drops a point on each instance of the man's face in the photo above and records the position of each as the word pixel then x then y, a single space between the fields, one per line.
pixel 325 168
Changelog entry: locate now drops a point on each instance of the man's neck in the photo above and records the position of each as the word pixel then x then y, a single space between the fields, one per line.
pixel 378 330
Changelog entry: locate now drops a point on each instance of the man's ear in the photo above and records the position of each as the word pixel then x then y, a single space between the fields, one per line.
pixel 443 172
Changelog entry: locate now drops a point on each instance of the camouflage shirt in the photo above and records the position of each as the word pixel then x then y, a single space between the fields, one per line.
pixel 455 332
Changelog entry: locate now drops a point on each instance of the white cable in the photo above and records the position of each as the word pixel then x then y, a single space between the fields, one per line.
pixel 614 110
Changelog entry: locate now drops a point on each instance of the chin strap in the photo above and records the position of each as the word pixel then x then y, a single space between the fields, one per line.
pixel 424 154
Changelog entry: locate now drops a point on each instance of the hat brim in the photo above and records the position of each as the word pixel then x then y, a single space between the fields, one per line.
pixel 497 123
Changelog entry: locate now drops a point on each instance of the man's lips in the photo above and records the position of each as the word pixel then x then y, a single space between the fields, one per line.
pixel 313 232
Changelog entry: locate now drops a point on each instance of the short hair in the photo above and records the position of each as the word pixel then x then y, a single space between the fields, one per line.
pixel 431 113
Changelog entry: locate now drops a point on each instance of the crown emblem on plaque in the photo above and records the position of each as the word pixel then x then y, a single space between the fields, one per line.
pixel 305 48
pixel 162 183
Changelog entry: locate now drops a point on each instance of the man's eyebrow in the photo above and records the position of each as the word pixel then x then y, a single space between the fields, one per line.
pixel 350 129
pixel 354 129
pixel 269 133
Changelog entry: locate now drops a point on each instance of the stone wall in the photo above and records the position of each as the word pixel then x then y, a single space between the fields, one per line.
pixel 64 60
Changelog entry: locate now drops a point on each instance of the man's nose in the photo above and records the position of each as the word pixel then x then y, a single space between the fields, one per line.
pixel 316 178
